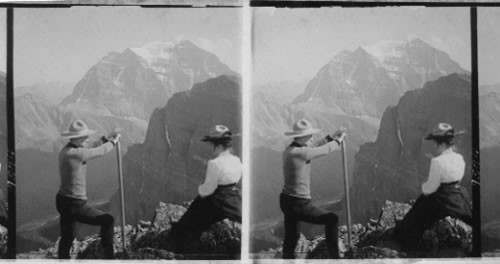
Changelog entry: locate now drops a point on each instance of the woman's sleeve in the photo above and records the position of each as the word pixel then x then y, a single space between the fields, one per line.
pixel 434 180
pixel 211 180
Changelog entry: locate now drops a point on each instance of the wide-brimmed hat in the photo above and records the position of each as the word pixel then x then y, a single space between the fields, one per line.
pixel 217 133
pixel 302 128
pixel 77 129
pixel 443 130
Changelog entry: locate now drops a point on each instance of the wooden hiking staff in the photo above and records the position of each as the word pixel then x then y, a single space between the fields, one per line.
pixel 122 198
pixel 347 201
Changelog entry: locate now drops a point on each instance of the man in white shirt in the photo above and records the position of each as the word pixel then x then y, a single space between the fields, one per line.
pixel 442 195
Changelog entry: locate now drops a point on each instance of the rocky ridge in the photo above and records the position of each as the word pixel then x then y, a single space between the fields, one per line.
pixel 151 240
pixel 446 238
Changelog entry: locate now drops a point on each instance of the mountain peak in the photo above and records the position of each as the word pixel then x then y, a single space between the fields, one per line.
pixel 146 77
pixel 394 66
pixel 418 42
pixel 186 43
pixel 360 51
pixel 396 48
pixel 154 50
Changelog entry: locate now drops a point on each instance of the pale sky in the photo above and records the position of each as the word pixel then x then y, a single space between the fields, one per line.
pixel 293 44
pixel 289 44
pixel 488 35
pixel 61 44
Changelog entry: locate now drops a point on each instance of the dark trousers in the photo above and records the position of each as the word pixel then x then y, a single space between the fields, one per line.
pixel 76 210
pixel 298 209
pixel 225 202
pixel 449 200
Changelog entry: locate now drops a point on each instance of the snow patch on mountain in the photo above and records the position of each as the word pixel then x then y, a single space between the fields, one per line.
pixel 386 49
pixel 155 51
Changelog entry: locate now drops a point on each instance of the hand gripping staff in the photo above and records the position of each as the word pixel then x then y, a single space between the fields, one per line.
pixel 122 199
pixel 347 201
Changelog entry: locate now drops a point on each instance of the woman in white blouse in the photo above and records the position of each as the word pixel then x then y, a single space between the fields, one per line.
pixel 442 195
pixel 218 196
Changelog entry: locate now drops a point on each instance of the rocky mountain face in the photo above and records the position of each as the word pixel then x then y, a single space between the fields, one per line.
pixel 269 118
pixel 151 240
pixel 121 90
pixel 400 156
pixel 365 81
pixel 284 91
pixel 446 238
pixel 37 123
pixel 171 162
pixel 133 83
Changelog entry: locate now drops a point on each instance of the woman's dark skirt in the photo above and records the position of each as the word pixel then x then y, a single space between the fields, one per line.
pixel 450 199
pixel 225 202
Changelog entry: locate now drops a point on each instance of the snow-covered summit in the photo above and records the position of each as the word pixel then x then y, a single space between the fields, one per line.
pixel 387 48
pixel 367 79
pixel 157 50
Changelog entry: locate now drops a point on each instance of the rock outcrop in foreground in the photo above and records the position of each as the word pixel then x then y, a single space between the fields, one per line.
pixel 151 240
pixel 447 238
pixel 3 241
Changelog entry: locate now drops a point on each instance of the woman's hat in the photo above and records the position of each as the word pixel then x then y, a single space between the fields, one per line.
pixel 218 132
pixel 302 128
pixel 443 130
pixel 77 129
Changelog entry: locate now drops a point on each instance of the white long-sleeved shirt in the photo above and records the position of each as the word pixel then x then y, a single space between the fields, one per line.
pixel 445 168
pixel 223 170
